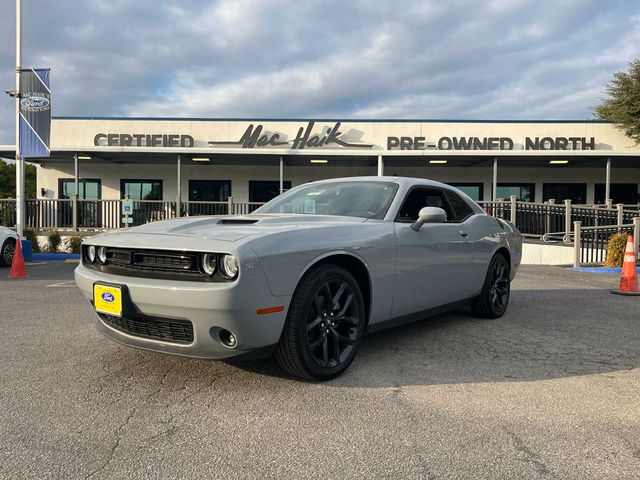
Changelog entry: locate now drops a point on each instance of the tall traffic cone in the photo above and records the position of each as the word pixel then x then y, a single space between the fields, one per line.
pixel 18 269
pixel 629 276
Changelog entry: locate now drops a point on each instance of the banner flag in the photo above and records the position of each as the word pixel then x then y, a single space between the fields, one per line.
pixel 35 112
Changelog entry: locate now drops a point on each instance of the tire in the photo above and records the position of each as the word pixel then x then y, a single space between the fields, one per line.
pixel 320 338
pixel 7 251
pixel 494 297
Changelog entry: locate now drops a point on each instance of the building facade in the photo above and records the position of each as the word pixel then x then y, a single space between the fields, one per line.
pixel 253 160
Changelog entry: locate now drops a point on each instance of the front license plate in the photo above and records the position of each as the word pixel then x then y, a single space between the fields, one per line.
pixel 107 299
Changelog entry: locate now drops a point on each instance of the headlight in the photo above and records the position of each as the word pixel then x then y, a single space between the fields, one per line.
pixel 91 253
pixel 102 254
pixel 229 265
pixel 209 263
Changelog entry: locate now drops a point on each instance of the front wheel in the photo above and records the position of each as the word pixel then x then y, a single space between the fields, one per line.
pixel 324 326
pixel 7 252
pixel 494 297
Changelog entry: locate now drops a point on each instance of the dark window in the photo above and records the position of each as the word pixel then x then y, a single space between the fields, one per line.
pixel 576 192
pixel 419 198
pixel 620 193
pixel 461 209
pixel 89 189
pixel 525 192
pixel 474 190
pixel 261 191
pixel 209 190
pixel 89 212
pixel 141 189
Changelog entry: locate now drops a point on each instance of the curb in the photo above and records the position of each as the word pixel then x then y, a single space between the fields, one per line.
pixel 56 256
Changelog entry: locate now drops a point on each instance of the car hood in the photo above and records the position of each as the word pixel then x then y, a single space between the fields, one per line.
pixel 228 228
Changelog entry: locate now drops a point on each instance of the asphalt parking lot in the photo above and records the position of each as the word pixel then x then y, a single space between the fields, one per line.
pixel 551 390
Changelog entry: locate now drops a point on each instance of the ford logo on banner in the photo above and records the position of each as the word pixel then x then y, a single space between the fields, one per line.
pixel 35 103
pixel 107 297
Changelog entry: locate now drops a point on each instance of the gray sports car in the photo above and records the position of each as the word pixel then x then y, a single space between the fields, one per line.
pixel 305 275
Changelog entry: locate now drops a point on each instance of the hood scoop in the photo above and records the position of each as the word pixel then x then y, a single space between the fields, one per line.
pixel 236 221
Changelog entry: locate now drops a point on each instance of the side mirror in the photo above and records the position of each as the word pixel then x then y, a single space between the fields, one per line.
pixel 429 215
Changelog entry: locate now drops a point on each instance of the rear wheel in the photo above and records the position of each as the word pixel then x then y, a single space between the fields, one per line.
pixel 324 326
pixel 7 251
pixel 494 298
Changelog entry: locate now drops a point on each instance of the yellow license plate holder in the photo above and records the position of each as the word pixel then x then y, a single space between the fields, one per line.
pixel 107 299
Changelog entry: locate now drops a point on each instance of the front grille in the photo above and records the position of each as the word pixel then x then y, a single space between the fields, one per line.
pixel 165 329
pixel 178 262
pixel 151 263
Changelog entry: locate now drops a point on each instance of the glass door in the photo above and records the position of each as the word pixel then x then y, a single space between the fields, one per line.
pixel 89 212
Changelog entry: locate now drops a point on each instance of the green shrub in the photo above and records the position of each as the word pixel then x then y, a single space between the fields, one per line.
pixel 73 244
pixel 54 242
pixel 32 235
pixel 616 246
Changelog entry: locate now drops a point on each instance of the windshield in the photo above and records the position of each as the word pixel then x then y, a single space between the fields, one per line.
pixel 348 199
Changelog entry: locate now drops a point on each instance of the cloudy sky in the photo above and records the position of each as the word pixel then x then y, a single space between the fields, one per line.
pixel 515 59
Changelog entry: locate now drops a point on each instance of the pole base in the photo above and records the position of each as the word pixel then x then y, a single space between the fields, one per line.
pixel 626 294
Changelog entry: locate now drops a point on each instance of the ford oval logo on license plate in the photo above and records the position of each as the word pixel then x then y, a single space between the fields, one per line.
pixel 107 297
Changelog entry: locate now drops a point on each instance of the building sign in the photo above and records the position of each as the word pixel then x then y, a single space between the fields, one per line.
pixel 491 143
pixel 309 136
pixel 142 140
pixel 305 138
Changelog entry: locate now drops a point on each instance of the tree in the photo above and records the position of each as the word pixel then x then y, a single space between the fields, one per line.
pixel 623 106
pixel 8 180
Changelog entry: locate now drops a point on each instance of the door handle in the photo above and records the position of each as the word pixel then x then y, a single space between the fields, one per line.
pixel 463 233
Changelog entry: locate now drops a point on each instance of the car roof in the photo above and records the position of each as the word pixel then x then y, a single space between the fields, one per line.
pixel 403 181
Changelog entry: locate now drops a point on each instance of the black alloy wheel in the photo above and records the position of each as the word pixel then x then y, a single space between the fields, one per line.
pixel 8 250
pixel 333 323
pixel 494 298
pixel 324 326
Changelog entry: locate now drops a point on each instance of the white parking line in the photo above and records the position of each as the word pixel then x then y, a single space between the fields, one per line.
pixel 63 284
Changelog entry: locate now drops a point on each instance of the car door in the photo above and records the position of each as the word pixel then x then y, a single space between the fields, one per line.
pixel 431 263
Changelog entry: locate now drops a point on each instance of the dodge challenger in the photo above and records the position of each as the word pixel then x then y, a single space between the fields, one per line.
pixel 305 276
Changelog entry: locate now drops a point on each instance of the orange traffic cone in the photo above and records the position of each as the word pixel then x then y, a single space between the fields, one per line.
pixel 629 276
pixel 18 270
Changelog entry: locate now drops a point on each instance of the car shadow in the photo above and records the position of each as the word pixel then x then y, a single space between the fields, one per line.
pixel 545 334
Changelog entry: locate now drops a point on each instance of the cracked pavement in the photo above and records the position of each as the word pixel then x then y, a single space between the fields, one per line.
pixel 548 391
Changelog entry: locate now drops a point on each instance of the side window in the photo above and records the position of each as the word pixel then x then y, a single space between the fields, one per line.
pixel 423 197
pixel 461 210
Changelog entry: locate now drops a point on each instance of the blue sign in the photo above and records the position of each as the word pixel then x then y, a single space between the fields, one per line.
pixel 35 112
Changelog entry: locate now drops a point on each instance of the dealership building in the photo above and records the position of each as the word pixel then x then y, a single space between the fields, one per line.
pixel 252 160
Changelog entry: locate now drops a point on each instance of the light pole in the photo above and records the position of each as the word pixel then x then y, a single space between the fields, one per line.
pixel 20 203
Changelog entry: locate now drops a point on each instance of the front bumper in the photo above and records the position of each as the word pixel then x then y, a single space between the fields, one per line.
pixel 208 306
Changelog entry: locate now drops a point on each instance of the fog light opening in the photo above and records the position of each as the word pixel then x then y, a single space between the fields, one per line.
pixel 227 338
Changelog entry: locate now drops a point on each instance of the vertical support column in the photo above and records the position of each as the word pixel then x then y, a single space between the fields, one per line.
pixel 495 178
pixel 281 174
pixel 230 206
pixel 76 173
pixel 179 187
pixel 380 166
pixel 514 205
pixel 20 203
pixel 620 212
pixel 567 215
pixel 74 201
pixel 636 234
pixel 607 184
pixel 577 225
pixel 74 212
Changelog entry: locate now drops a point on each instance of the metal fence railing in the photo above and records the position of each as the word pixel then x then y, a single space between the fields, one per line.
pixel 538 219
pixel 74 214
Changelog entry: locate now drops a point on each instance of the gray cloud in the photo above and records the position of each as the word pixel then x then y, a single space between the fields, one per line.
pixel 520 59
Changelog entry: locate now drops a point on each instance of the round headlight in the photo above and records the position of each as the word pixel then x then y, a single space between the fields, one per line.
pixel 209 263
pixel 91 253
pixel 229 266
pixel 102 254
